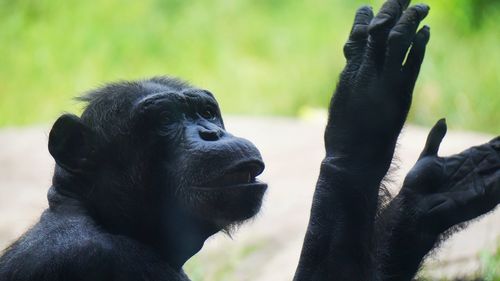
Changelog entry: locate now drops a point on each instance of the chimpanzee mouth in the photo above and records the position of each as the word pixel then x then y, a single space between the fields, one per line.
pixel 241 174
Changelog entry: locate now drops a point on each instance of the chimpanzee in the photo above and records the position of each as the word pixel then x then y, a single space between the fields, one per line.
pixel 353 233
pixel 148 173
pixel 142 179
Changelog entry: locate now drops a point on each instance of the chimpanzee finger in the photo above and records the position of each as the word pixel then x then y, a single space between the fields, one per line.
pixel 355 46
pixel 434 139
pixel 411 68
pixel 380 27
pixel 402 35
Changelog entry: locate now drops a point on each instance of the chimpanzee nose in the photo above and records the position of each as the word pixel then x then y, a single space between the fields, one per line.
pixel 210 134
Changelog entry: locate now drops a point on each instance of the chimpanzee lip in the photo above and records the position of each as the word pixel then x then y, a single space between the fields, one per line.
pixel 250 186
pixel 242 174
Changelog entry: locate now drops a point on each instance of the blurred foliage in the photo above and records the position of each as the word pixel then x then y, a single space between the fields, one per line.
pixel 226 264
pixel 489 269
pixel 491 265
pixel 258 57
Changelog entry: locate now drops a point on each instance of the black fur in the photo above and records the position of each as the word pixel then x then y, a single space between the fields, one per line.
pixel 366 115
pixel 148 173
pixel 142 178
pixel 439 195
pixel 354 233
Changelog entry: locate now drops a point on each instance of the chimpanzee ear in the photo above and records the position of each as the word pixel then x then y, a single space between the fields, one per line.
pixel 71 143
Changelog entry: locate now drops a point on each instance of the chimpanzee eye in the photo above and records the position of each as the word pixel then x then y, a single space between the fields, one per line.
pixel 208 114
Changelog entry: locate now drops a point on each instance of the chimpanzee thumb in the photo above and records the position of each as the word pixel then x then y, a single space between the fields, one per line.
pixel 434 139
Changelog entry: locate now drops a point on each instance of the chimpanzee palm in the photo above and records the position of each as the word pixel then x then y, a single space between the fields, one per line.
pixel 147 173
pixel 438 195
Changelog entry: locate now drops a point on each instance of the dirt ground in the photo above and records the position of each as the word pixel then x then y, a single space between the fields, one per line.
pixel 292 150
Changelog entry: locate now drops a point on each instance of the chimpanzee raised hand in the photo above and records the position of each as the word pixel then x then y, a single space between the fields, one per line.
pixel 375 89
pixel 366 115
pixel 437 194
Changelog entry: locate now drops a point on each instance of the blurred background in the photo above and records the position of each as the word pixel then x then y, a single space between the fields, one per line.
pixel 274 62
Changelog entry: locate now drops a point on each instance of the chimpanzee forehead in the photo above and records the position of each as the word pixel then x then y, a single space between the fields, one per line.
pixel 199 94
pixel 190 95
pixel 177 88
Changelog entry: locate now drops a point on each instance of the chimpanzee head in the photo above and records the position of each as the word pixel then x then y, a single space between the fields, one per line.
pixel 154 154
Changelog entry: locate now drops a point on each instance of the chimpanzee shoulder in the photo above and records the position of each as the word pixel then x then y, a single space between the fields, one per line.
pixel 80 250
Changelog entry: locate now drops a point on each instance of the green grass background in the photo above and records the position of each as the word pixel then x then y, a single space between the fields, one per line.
pixel 259 57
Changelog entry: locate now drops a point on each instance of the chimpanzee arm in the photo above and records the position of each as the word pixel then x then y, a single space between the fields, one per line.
pixel 366 115
pixel 438 194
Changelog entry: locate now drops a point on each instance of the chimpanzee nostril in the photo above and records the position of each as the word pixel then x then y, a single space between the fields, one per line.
pixel 209 135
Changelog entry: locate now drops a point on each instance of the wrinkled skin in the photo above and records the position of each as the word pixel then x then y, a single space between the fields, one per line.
pixel 366 115
pixel 143 177
pixel 133 196
pixel 437 194
pixel 450 190
pixel 374 92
